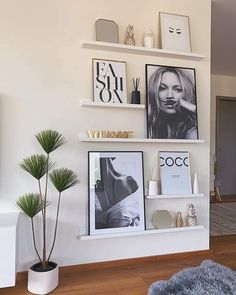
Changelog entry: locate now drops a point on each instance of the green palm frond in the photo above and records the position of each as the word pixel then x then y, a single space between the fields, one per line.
pixel 50 140
pixel 63 179
pixel 36 165
pixel 31 204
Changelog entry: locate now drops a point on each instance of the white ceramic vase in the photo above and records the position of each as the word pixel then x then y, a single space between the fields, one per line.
pixel 148 39
pixel 42 282
pixel 152 188
pixel 195 184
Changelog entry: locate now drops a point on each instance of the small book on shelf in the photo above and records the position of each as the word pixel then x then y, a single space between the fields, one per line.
pixel 175 173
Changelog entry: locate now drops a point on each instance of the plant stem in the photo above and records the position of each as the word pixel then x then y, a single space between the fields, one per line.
pixel 44 216
pixel 55 231
pixel 36 250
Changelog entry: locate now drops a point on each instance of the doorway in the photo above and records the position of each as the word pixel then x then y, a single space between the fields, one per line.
pixel 226 146
pixel 223 213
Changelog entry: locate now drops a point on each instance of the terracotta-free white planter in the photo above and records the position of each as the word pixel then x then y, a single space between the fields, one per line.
pixel 42 282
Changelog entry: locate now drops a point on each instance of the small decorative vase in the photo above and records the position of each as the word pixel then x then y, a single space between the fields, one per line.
pixel 42 282
pixel 191 218
pixel 195 184
pixel 179 220
pixel 129 40
pixel 135 97
pixel 152 188
pixel 148 39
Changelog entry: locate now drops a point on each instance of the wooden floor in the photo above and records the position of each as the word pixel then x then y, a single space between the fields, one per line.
pixel 135 278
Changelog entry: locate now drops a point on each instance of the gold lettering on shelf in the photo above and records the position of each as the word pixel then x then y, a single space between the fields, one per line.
pixel 109 134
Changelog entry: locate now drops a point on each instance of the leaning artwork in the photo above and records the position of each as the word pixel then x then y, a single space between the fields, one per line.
pixel 171 102
pixel 116 192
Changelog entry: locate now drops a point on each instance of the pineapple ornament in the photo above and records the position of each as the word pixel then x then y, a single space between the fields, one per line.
pixel 129 39
pixel 191 218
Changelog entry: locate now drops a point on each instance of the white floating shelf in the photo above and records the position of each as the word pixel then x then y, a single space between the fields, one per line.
pixel 142 233
pixel 92 104
pixel 175 196
pixel 140 140
pixel 140 50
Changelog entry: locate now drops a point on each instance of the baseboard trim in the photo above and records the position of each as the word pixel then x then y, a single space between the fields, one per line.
pixel 22 276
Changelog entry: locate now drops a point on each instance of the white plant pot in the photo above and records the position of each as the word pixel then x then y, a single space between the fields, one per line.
pixel 42 282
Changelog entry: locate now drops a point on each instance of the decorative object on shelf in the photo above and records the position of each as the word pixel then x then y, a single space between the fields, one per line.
pixel 135 98
pixel 195 184
pixel 43 276
pixel 116 192
pixel 191 218
pixel 109 81
pixel 148 39
pixel 171 102
pixel 179 220
pixel 175 33
pixel 129 38
pixel 106 31
pixel 162 219
pixel 175 173
pixel 109 134
pixel 152 184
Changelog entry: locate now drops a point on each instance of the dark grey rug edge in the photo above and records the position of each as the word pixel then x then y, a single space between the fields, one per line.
pixel 210 278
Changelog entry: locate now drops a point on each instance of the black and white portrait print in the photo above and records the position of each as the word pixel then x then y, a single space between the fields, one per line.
pixel 116 192
pixel 171 102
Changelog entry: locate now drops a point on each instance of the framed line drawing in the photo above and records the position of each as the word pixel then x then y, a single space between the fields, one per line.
pixel 175 32
pixel 175 173
pixel 171 102
pixel 109 81
pixel 116 192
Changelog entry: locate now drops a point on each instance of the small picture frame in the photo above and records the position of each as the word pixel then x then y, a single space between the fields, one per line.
pixel 171 102
pixel 175 32
pixel 175 173
pixel 109 81
pixel 116 192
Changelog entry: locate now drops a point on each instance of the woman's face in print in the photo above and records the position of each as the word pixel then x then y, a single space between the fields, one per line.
pixel 170 92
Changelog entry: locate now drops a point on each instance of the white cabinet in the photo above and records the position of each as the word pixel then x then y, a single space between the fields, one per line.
pixel 8 230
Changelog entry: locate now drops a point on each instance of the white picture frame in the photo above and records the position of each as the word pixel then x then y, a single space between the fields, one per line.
pixel 175 173
pixel 175 32
pixel 109 81
pixel 116 192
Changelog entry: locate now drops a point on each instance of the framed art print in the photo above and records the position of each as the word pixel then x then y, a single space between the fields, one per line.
pixel 175 33
pixel 171 102
pixel 116 192
pixel 109 81
pixel 175 173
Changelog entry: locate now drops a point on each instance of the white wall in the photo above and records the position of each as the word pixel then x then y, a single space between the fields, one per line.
pixel 43 75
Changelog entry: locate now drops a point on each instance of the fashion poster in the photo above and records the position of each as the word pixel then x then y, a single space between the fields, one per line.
pixel 171 102
pixel 175 173
pixel 116 192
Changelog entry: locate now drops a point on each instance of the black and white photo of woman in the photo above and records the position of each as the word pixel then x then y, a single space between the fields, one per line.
pixel 171 102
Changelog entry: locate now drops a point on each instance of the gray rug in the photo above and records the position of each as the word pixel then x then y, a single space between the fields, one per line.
pixel 209 278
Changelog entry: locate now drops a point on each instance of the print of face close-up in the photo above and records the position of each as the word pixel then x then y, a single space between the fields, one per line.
pixel 170 92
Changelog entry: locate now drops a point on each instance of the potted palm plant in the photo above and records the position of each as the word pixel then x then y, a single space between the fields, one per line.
pixel 43 275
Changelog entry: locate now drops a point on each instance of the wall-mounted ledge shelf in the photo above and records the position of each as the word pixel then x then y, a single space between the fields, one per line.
pixel 140 50
pixel 140 140
pixel 175 196
pixel 92 104
pixel 142 233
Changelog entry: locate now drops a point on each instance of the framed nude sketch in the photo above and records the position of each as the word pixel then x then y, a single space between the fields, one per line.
pixel 171 102
pixel 116 192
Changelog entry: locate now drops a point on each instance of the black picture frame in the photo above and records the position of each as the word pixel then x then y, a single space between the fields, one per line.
pixel 171 102
pixel 116 192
